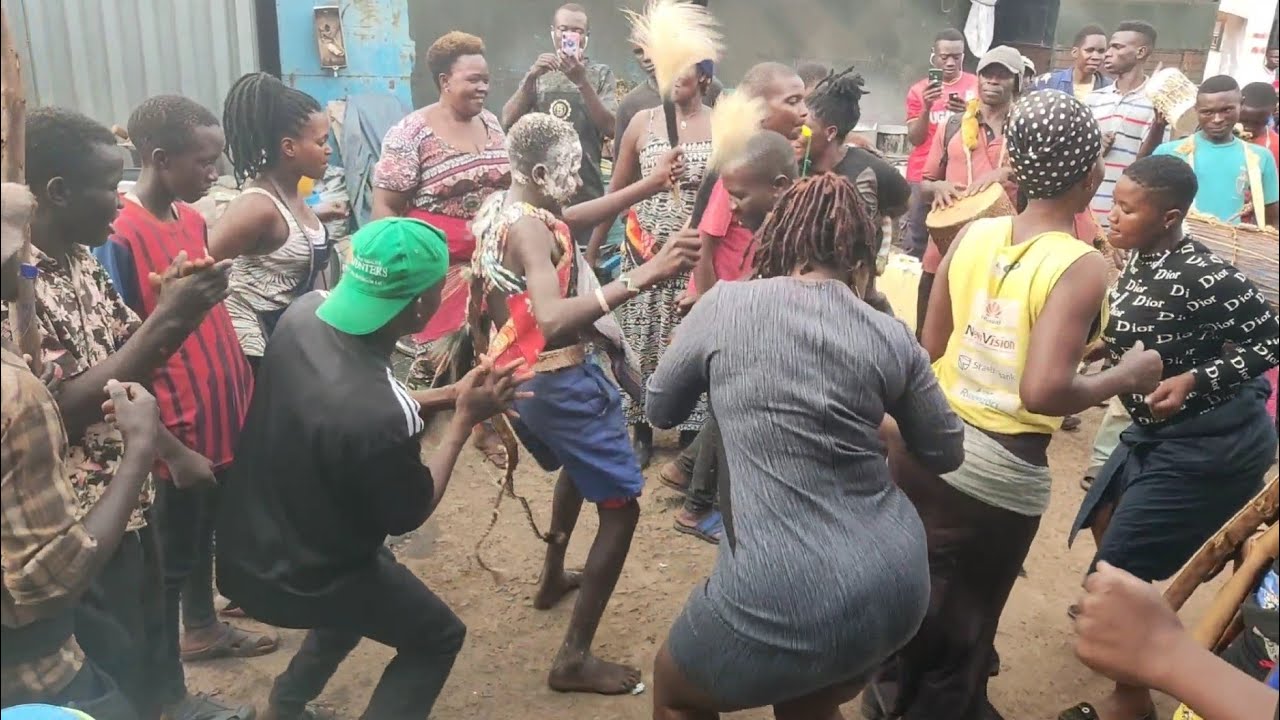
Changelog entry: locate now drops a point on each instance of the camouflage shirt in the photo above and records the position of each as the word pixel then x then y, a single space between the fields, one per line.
pixel 82 322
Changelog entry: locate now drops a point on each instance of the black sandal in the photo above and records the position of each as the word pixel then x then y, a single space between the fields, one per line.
pixel 1086 711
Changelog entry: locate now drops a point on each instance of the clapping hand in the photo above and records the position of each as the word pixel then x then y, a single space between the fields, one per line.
pixel 133 410
pixel 192 286
pixel 489 389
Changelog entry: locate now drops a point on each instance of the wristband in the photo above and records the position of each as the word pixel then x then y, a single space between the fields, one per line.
pixel 604 304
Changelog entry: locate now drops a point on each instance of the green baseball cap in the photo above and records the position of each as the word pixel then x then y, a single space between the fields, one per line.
pixel 393 261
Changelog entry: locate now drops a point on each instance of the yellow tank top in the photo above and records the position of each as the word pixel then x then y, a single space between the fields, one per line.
pixel 997 292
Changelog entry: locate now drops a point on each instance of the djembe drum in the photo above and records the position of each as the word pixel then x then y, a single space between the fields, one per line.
pixel 945 223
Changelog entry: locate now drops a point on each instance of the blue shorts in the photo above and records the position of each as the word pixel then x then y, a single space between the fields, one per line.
pixel 574 421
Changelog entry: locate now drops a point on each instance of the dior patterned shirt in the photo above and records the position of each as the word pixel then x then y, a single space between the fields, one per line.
pixel 1203 316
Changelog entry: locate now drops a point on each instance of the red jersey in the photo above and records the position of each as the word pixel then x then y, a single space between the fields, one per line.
pixel 966 86
pixel 203 390
pixel 736 249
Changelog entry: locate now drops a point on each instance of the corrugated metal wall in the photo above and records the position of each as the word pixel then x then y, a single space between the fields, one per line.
pixel 104 57
pixel 888 40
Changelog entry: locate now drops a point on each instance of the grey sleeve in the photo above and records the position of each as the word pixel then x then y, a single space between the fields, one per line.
pixel 607 89
pixel 683 373
pixel 933 434
pixel 626 111
pixel 868 188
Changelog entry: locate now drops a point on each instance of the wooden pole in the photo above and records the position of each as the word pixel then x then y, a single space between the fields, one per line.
pixel 1226 543
pixel 12 131
pixel 13 114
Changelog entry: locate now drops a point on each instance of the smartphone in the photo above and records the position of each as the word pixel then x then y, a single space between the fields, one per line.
pixel 935 76
pixel 570 44
pixel 954 97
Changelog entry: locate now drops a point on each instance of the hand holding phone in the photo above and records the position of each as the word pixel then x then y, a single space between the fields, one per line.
pixel 571 45
pixel 935 76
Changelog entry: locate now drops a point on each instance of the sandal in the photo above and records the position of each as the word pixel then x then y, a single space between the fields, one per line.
pixel 228 609
pixel 709 529
pixel 1085 711
pixel 233 642
pixel 203 707
pixel 674 478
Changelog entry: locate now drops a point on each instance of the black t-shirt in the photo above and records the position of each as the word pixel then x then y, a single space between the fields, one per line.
pixel 328 465
pixel 891 188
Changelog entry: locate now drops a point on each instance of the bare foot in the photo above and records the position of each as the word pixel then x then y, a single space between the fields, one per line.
pixel 593 675
pixel 553 590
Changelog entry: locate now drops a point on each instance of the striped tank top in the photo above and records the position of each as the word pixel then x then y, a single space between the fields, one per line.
pixel 262 286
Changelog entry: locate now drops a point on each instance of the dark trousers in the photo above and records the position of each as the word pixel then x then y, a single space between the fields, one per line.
pixel 120 623
pixel 394 608
pixel 923 290
pixel 915 236
pixel 699 462
pixel 184 521
pixel 975 552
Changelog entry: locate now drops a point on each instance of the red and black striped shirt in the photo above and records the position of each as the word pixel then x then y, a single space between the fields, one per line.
pixel 203 390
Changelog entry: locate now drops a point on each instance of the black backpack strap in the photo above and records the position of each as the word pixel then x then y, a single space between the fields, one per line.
pixel 948 133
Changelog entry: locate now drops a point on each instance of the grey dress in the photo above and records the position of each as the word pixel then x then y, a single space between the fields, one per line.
pixel 825 570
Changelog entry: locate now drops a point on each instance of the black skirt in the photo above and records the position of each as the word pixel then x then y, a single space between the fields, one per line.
pixel 1174 486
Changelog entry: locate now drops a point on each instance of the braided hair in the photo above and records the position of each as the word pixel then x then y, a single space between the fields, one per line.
pixel 835 100
pixel 259 112
pixel 819 221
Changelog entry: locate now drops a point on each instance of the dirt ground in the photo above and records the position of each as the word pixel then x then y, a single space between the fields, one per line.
pixel 501 672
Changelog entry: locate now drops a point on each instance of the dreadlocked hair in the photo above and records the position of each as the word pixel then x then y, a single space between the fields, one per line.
pixel 835 100
pixel 260 111
pixel 819 221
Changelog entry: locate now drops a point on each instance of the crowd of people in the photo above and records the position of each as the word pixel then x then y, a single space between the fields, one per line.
pixel 873 490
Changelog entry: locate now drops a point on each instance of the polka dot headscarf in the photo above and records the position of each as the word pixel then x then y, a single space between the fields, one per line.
pixel 1053 142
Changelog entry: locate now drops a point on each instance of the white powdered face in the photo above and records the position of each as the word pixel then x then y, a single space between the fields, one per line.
pixel 563 164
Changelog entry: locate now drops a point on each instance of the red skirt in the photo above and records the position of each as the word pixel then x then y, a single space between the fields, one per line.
pixel 452 314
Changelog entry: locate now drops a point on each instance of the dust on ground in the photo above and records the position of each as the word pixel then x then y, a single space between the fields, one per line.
pixel 501 672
